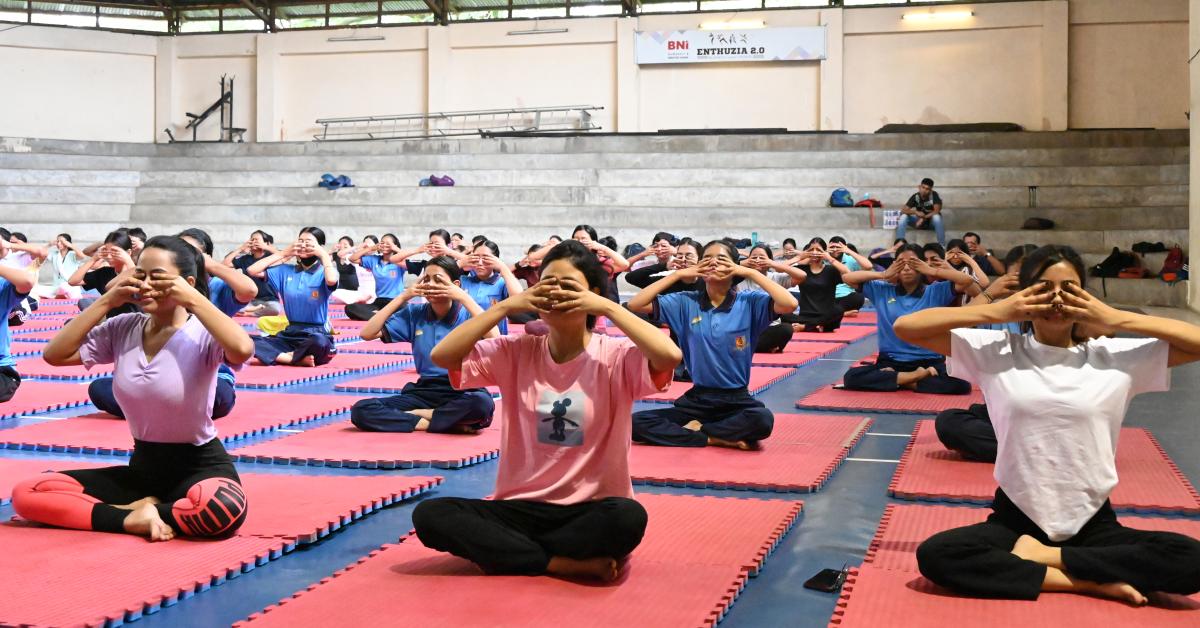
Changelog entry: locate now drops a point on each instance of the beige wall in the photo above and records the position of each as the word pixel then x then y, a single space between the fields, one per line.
pixel 1044 64
pixel 72 84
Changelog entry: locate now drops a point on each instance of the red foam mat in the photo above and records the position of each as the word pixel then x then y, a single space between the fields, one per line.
pixel 388 383
pixel 33 397
pixel 34 336
pixel 304 508
pixel 806 346
pixel 259 376
pixel 343 445
pixel 99 433
pixel 17 348
pixel 78 578
pixel 800 456
pixel 377 346
pixel 50 323
pixel 14 470
pixel 761 378
pixel 787 358
pixel 904 526
pixel 1149 480
pixel 874 597
pixel 899 402
pixel 55 311
pixel 864 317
pixel 681 575
pixel 37 367
pixel 848 333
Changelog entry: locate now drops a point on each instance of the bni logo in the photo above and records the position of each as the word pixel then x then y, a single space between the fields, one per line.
pixel 677 45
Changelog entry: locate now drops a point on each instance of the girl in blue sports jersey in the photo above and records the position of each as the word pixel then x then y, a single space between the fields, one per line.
pixel 304 287
pixel 489 280
pixel 431 403
pixel 717 329
pixel 389 276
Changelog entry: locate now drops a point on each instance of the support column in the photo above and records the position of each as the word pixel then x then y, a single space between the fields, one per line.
pixel 437 67
pixel 268 127
pixel 164 88
pixel 1194 162
pixel 831 116
pixel 1056 30
pixel 626 119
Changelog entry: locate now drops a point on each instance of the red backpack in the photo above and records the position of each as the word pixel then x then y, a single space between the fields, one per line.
pixel 1172 265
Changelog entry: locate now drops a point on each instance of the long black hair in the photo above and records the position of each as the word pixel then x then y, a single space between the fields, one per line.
pixel 199 235
pixel 188 258
pixel 120 238
pixel 489 245
pixel 316 232
pixel 724 243
pixel 1037 262
pixel 586 262
pixel 586 229
pixel 446 263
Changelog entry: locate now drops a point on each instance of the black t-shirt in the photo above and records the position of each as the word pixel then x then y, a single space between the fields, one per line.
pixel 347 276
pixel 644 276
pixel 98 280
pixel 265 291
pixel 985 264
pixel 924 206
pixel 817 292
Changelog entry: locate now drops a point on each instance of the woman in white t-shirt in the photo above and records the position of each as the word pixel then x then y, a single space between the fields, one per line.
pixel 1057 405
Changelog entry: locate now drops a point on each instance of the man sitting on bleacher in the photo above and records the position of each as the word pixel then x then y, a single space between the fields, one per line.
pixel 923 211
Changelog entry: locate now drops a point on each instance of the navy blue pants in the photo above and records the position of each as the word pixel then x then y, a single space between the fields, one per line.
pixel 452 408
pixel 100 393
pixel 872 377
pixel 969 432
pixel 978 560
pixel 726 413
pixel 301 339
pixel 519 537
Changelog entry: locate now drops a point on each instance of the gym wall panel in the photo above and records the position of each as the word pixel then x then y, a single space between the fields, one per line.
pixel 77 94
pixel 729 95
pixel 534 76
pixel 1129 75
pixel 311 86
pixel 943 77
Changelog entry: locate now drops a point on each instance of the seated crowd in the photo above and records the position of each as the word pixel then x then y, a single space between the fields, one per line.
pixel 568 381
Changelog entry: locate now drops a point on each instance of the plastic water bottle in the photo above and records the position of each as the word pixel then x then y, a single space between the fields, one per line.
pixel 753 238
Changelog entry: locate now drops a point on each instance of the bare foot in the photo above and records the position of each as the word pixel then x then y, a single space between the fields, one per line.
pixel 284 358
pixel 849 313
pixel 797 328
pixel 693 425
pixel 145 521
pixel 1118 591
pixel 139 503
pixel 732 444
pixel 602 569
pixel 308 360
pixel 422 425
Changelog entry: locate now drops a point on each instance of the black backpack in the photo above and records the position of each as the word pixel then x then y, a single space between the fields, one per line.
pixel 1116 261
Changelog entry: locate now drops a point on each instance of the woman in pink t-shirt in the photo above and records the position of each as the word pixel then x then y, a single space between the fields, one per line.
pixel 179 479
pixel 564 501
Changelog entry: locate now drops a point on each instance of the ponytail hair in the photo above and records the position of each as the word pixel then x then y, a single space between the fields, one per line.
pixel 188 258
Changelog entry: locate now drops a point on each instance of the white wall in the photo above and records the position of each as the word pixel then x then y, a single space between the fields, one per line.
pixel 76 84
pixel 1045 64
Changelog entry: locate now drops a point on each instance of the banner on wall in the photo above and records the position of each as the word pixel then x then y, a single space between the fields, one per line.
pixel 761 44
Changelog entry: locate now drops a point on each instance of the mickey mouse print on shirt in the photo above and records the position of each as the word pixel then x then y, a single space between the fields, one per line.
pixel 561 417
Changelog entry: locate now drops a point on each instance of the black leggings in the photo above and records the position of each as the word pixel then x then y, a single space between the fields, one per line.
pixel 821 322
pixel 977 560
pixel 520 537
pixel 873 377
pixel 198 487
pixel 10 381
pixel 727 414
pixel 969 432
pixel 364 311
pixel 774 339
pixel 852 301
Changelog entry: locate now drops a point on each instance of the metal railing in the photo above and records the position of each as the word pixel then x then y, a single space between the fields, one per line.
pixel 414 126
